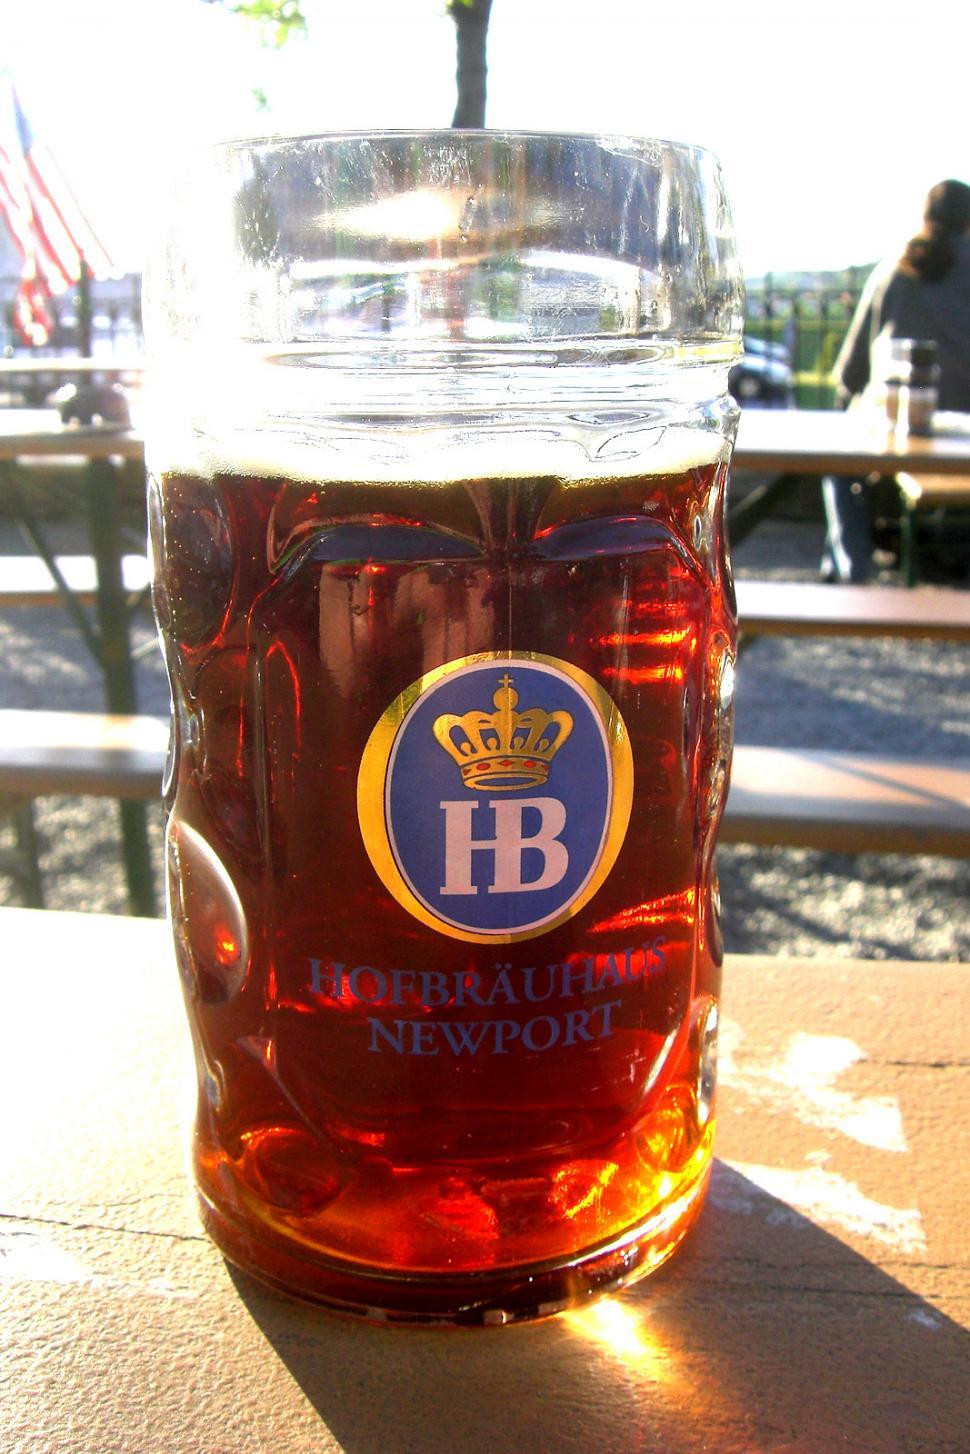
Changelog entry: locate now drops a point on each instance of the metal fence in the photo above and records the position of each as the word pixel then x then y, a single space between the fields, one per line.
pixel 810 322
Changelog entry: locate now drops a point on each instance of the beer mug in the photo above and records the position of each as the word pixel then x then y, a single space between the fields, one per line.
pixel 438 448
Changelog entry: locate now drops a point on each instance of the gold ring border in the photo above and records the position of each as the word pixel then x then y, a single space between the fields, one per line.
pixel 373 772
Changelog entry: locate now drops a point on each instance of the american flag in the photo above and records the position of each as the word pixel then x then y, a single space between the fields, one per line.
pixel 46 224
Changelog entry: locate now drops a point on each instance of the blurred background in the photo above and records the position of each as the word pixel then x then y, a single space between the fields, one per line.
pixel 831 120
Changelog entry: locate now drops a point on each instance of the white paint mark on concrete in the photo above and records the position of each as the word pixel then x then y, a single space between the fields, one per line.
pixel 31 1256
pixel 926 1318
pixel 743 1199
pixel 801 1080
pixel 28 1257
pixel 827 1197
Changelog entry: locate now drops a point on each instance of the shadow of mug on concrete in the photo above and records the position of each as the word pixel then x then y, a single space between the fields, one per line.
pixel 827 1352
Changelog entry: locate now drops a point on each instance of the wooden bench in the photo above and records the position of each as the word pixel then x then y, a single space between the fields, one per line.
pixel 75 754
pixel 765 608
pixel 804 608
pixel 116 586
pixel 835 801
pixel 847 802
pixel 81 753
pixel 26 581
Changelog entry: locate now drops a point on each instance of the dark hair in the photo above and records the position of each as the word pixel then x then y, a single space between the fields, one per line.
pixel 930 254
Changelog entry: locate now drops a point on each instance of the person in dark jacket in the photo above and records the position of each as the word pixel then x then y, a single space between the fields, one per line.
pixel 924 295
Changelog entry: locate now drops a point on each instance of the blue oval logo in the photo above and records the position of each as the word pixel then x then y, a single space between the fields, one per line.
pixel 494 795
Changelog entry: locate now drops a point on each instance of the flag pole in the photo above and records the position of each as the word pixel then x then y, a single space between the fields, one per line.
pixel 84 310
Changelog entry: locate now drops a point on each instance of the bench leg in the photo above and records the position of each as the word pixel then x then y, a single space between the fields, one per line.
pixel 138 862
pixel 117 665
pixel 28 849
pixel 908 555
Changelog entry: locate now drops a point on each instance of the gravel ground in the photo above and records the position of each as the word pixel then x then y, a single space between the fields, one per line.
pixel 904 697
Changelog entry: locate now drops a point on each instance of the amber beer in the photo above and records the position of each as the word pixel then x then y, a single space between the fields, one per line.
pixel 385 1099
pixel 450 631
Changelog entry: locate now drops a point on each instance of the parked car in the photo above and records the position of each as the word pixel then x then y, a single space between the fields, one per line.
pixel 764 375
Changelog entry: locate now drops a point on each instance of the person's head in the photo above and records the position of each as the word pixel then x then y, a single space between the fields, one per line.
pixel 946 216
pixel 948 206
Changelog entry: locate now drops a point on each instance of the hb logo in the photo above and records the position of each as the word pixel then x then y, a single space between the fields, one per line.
pixel 504 751
pixel 489 820
pixel 507 847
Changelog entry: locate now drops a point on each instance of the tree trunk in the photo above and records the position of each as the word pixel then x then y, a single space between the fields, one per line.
pixel 471 26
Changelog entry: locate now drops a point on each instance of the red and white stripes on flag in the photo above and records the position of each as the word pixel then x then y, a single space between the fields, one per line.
pixel 45 222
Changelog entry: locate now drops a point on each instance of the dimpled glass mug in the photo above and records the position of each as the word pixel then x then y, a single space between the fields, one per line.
pixel 438 454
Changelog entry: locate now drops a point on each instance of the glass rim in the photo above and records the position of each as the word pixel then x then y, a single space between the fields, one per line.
pixel 618 251
pixel 608 140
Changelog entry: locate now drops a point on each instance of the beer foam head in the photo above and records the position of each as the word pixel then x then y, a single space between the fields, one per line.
pixel 284 424
pixel 650 450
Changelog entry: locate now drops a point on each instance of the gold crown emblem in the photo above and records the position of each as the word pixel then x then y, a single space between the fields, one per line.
pixel 503 750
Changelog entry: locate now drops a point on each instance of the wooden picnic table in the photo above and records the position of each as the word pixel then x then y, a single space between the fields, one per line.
pixel 821 1303
pixel 808 608
pixel 812 441
pixel 40 434
pixel 101 453
pixel 828 441
pixel 70 365
pixel 783 444
pixel 32 378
